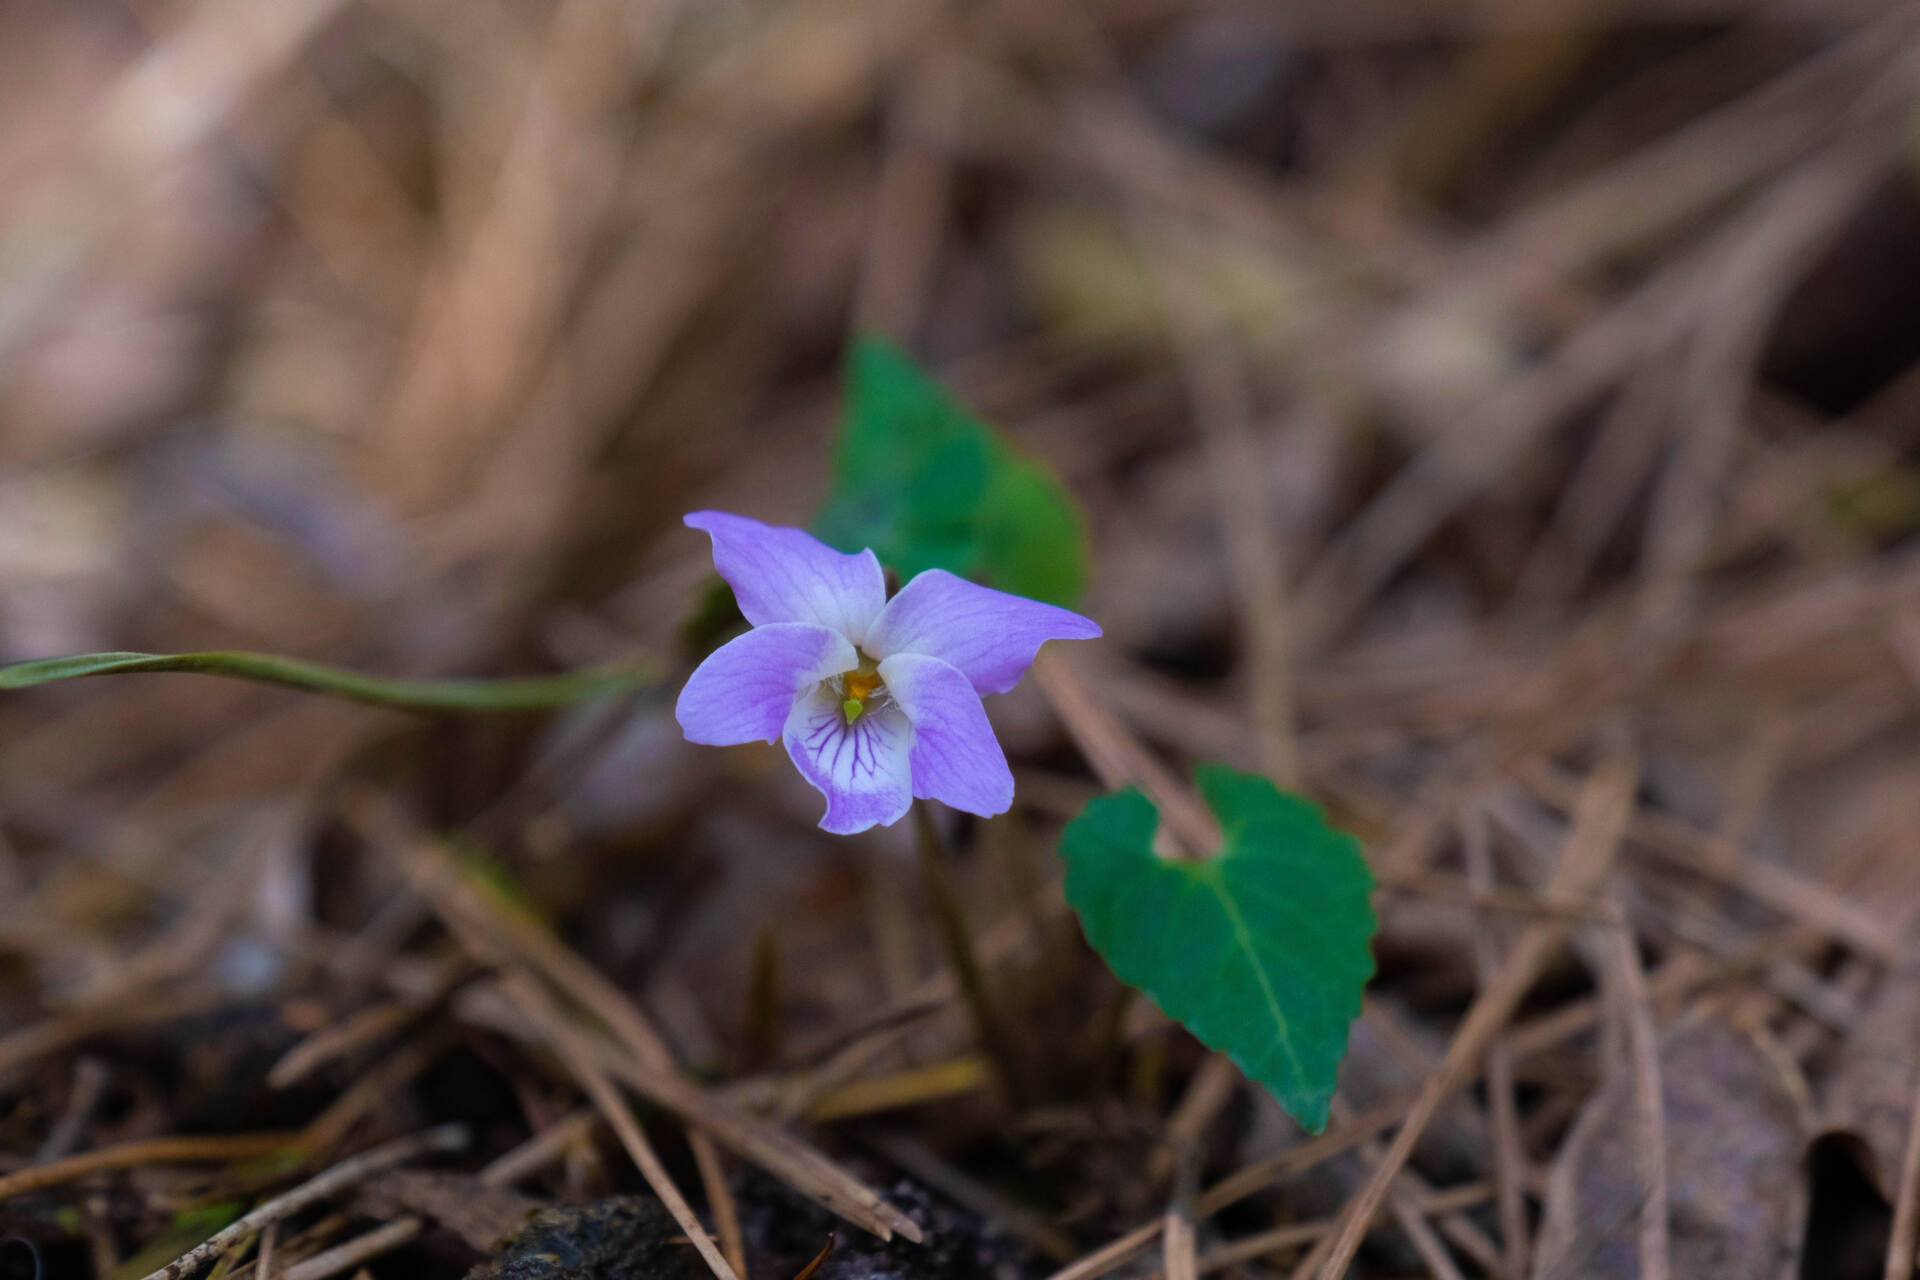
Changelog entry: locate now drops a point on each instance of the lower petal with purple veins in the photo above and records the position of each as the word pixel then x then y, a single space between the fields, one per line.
pixel 956 759
pixel 863 768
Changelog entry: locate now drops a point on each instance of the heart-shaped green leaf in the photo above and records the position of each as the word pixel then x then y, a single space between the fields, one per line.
pixel 1262 951
pixel 927 485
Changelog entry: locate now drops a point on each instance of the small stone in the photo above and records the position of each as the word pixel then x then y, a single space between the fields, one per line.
pixel 785 1231
pixel 619 1238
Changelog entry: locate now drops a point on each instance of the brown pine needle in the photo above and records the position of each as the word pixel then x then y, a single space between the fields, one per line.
pixel 577 1054
pixel 493 932
pixel 209 1149
pixel 1600 819
pixel 542 1149
pixel 932 1083
pixel 1178 1254
pixel 1649 1111
pixel 448 1137
pixel 1906 1207
pixel 1118 760
pixel 819 1260
pixel 1509 1153
pixel 349 1254
pixel 1239 1185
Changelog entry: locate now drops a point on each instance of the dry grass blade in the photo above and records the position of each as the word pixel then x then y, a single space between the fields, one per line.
pixel 1261 1244
pixel 1207 1094
pixel 367 1093
pixel 778 1152
pixel 1600 820
pixel 1509 1152
pixel 363 1028
pixel 800 1166
pixel 354 1169
pixel 1905 1235
pixel 374 1023
pixel 124 1008
pixel 1688 850
pixel 168 102
pixel 495 933
pixel 726 1214
pixel 348 1255
pixel 576 1052
pixel 1178 1254
pixel 1757 270
pixel 1405 1214
pixel 1243 1183
pixel 263 1261
pixel 1217 385
pixel 1450 472
pixel 1179 1245
pixel 1649 1108
pixel 542 1149
pixel 934 1082
pixel 130 1155
pixel 1118 759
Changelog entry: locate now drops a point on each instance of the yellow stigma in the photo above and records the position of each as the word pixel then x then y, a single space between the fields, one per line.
pixel 852 708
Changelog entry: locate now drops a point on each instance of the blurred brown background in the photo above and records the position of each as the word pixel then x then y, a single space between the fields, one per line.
pixel 1460 391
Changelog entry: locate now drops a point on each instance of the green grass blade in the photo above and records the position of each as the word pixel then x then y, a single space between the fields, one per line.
pixel 531 693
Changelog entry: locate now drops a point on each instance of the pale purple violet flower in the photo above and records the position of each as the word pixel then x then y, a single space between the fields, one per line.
pixel 877 700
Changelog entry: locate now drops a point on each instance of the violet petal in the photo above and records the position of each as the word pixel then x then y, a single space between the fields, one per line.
pixel 989 635
pixel 956 759
pixel 861 768
pixel 746 688
pixel 781 574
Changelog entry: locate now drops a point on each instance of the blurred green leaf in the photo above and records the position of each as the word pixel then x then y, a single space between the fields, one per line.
pixel 190 1227
pixel 1885 504
pixel 928 485
pixel 1262 951
pixel 715 619
pixel 525 694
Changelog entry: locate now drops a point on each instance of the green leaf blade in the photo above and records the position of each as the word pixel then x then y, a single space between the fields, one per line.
pixel 1261 951
pixel 533 693
pixel 927 485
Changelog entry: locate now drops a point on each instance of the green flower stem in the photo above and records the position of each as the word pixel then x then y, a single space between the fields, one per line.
pixel 943 901
pixel 531 693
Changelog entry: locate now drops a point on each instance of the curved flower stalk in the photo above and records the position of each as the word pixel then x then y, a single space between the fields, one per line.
pixel 877 700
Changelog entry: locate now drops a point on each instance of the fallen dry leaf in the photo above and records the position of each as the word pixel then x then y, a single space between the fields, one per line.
pixel 1871 1086
pixel 1737 1198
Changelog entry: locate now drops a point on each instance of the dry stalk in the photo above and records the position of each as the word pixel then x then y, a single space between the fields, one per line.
pixel 1509 1152
pixel 130 1155
pixel 1649 1112
pixel 1599 823
pixel 450 1137
pixel 493 935
pixel 347 1255
pixel 576 1051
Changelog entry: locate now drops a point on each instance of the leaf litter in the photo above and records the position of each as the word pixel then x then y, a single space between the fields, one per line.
pixel 1467 405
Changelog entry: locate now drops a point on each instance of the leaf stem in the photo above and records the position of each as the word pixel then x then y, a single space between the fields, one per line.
pixel 528 693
